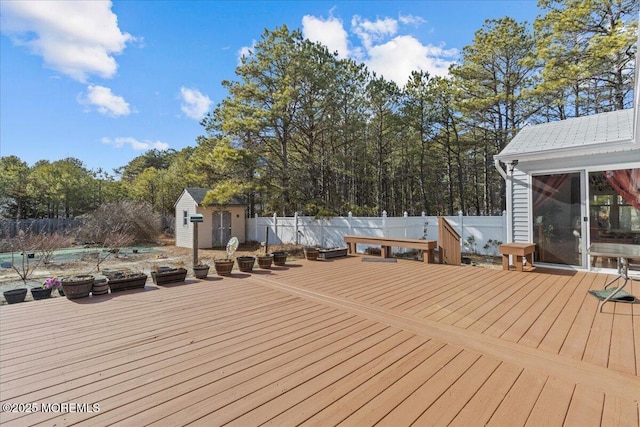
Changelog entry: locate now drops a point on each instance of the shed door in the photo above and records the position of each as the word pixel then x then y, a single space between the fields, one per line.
pixel 221 228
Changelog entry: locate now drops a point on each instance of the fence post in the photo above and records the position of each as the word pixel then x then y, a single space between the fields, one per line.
pixel 461 219
pixel 424 225
pixel 255 225
pixel 406 220
pixel 275 225
pixel 384 223
pixel 295 227
pixel 350 225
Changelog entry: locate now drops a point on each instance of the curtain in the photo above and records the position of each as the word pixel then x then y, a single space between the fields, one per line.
pixel 626 182
pixel 547 186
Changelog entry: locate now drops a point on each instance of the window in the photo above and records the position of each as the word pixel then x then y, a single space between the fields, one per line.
pixel 185 217
pixel 614 206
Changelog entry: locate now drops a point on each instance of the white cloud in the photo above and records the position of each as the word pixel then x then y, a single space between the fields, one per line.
pixel 76 38
pixel 397 58
pixel 411 20
pixel 245 51
pixel 194 104
pixel 106 102
pixel 329 32
pixel 384 49
pixel 373 31
pixel 135 144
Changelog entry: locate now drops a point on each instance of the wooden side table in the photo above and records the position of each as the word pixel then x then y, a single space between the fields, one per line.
pixel 519 251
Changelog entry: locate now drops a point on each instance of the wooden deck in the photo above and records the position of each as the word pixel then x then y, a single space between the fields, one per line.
pixel 338 342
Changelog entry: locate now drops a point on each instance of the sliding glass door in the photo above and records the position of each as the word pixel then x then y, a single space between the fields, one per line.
pixel 614 209
pixel 557 218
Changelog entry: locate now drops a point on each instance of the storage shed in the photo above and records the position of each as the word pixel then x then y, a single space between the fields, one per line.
pixel 221 222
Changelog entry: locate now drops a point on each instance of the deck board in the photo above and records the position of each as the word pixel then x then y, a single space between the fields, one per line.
pixel 337 342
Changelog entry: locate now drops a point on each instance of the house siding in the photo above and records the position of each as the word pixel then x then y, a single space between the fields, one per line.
pixel 520 205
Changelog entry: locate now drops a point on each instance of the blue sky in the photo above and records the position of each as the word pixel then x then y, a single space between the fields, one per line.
pixel 105 81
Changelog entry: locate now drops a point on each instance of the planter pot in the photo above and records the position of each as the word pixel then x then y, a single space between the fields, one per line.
pixel 166 275
pixel 265 261
pixel 14 296
pixel 332 253
pixel 40 293
pixel 127 281
pixel 311 253
pixel 77 286
pixel 223 266
pixel 100 287
pixel 279 258
pixel 201 271
pixel 61 291
pixel 245 263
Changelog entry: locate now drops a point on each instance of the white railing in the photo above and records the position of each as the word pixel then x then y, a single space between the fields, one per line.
pixel 479 234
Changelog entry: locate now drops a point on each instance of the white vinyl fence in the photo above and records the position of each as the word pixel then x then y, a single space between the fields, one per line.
pixel 480 234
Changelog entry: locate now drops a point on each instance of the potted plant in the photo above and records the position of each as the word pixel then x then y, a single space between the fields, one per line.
pixel 223 266
pixel 41 292
pixel 165 275
pixel 100 286
pixel 311 253
pixel 246 263
pixel 264 260
pixel 201 270
pixel 125 279
pixel 14 296
pixel 78 286
pixel 54 283
pixel 279 257
pixel 327 253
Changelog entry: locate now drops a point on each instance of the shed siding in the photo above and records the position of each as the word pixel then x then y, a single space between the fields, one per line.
pixel 521 185
pixel 238 222
pixel 184 236
pixel 204 228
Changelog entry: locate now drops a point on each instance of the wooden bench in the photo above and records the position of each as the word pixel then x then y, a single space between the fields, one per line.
pixel 427 246
pixel 519 251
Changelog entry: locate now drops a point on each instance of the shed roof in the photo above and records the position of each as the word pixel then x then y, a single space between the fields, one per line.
pixel 198 194
pixel 595 134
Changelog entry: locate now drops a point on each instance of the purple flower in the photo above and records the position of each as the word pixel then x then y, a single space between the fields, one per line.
pixel 52 283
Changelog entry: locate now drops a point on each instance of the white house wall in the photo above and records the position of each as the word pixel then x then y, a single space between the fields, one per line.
pixel 520 212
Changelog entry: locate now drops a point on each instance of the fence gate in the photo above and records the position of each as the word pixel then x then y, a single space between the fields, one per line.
pixel 221 228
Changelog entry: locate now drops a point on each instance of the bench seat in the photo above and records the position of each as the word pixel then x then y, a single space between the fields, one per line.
pixel 386 243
